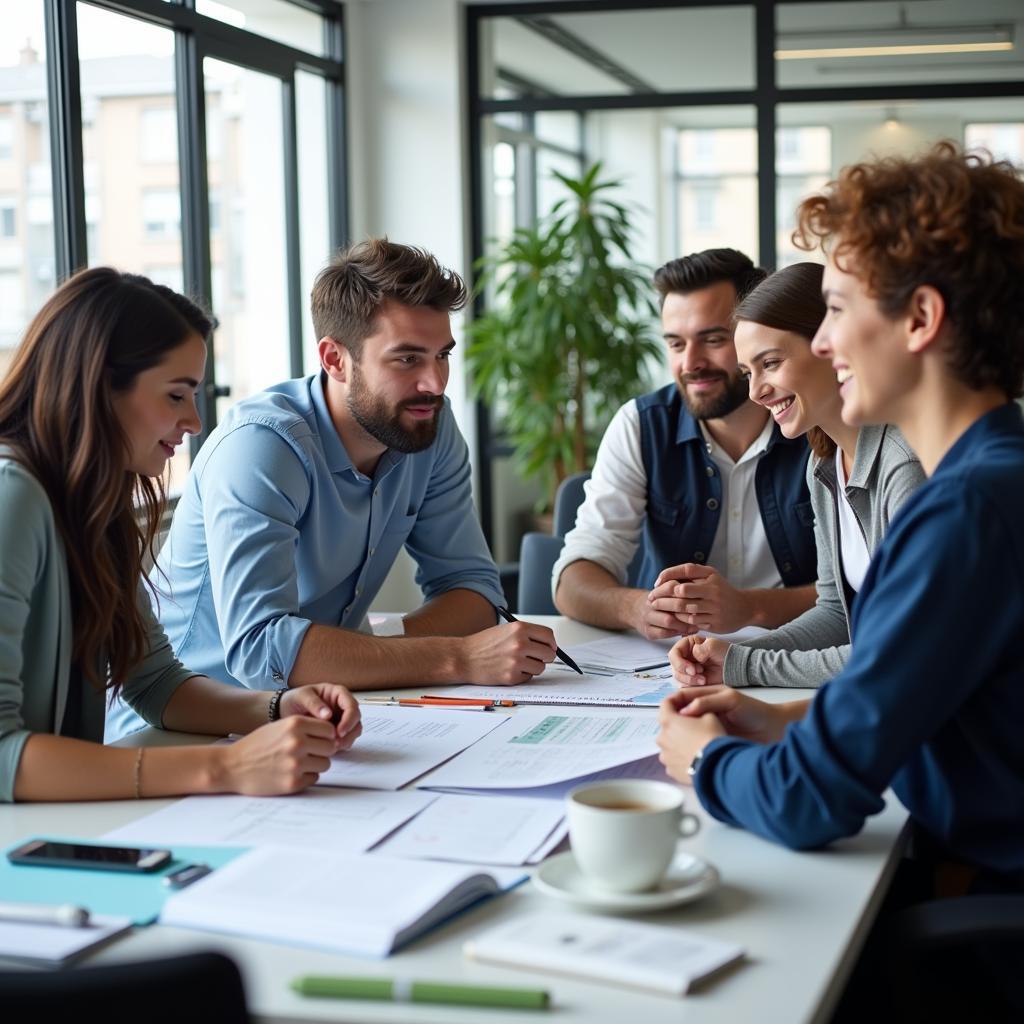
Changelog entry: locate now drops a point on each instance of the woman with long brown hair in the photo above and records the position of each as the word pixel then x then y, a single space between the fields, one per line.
pixel 101 390
pixel 858 478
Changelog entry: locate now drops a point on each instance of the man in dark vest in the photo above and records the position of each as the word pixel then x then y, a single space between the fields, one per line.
pixel 699 475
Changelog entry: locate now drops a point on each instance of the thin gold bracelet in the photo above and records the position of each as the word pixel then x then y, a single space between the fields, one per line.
pixel 137 775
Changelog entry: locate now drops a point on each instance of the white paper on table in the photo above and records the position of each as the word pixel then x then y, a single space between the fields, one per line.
pixel 349 821
pixel 643 768
pixel 401 744
pixel 550 844
pixel 624 652
pixel 55 945
pixel 628 652
pixel 477 829
pixel 538 748
pixel 557 685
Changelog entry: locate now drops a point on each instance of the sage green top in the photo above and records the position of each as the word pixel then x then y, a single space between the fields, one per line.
pixel 36 673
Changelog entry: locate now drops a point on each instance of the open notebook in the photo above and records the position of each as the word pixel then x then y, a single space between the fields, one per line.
pixel 358 904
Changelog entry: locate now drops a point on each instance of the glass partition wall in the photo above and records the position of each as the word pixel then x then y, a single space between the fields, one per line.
pixel 719 118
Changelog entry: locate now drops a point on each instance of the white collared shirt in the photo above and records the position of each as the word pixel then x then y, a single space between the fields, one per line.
pixel 853 548
pixel 610 521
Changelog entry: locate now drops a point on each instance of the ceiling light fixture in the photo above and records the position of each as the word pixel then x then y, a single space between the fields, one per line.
pixel 907 50
pixel 901 39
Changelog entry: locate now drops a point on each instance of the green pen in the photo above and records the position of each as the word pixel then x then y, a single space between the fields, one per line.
pixel 401 990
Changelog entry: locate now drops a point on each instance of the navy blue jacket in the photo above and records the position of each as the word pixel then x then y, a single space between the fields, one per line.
pixel 684 494
pixel 932 699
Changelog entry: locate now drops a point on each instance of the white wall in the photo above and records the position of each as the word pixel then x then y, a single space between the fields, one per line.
pixel 407 169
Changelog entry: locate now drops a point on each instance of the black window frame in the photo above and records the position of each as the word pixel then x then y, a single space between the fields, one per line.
pixel 196 38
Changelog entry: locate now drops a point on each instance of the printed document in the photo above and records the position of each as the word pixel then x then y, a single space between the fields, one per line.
pixel 478 829
pixel 629 652
pixel 400 744
pixel 350 820
pixel 558 685
pixel 541 747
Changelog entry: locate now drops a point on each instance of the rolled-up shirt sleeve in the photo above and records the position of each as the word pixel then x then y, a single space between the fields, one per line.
pixel 255 488
pixel 611 519
pixel 446 540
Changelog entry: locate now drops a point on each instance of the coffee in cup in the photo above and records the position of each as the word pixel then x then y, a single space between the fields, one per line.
pixel 624 833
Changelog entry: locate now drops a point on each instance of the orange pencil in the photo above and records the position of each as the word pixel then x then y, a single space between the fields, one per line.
pixel 454 705
pixel 428 699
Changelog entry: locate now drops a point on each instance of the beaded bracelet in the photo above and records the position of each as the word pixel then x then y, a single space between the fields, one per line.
pixel 274 707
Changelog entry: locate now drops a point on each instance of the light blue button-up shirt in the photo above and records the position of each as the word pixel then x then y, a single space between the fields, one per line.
pixel 277 530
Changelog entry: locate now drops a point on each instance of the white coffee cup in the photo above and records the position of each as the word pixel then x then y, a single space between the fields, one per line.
pixel 624 833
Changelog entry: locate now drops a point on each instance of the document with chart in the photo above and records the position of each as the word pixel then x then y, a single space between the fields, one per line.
pixel 539 748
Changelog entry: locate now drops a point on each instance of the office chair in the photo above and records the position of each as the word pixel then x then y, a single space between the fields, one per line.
pixel 951 957
pixel 196 987
pixel 538 552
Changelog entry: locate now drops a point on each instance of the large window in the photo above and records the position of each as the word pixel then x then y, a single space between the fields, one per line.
pixel 234 215
pixel 719 118
pixel 27 268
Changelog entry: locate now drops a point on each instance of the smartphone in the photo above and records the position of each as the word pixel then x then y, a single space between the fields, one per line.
pixel 53 853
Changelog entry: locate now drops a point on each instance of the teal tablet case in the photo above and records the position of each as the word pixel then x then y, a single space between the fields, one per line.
pixel 139 896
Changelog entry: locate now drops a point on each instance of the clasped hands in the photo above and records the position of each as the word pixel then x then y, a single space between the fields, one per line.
pixel 687 598
pixel 691 597
pixel 693 717
pixel 286 756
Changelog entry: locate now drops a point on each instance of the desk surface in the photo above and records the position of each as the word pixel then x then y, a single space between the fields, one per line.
pixel 801 916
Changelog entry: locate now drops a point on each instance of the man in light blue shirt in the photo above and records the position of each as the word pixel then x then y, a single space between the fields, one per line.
pixel 300 500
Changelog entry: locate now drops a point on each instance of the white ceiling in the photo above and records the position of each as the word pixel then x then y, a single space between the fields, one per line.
pixel 712 48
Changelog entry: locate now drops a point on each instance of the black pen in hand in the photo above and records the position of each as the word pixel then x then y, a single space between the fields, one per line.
pixel 504 613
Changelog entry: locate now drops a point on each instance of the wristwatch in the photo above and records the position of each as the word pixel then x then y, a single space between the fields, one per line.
pixel 695 763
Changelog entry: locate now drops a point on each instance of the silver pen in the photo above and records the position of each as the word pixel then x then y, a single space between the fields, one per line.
pixel 64 915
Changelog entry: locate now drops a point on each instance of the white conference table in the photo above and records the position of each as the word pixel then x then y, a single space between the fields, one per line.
pixel 802 918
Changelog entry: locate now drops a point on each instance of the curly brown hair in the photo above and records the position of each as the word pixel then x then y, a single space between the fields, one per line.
pixel 948 219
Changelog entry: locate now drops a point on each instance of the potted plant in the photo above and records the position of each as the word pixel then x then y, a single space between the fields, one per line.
pixel 570 332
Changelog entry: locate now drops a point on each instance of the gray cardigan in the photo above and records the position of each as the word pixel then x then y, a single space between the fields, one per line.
pixel 36 632
pixel 814 647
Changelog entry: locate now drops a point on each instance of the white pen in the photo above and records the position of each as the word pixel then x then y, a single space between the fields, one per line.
pixel 66 915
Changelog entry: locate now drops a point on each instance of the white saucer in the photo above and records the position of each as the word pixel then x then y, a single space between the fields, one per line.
pixel 688 878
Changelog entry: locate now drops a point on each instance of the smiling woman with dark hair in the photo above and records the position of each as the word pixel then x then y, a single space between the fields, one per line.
pixel 860 478
pixel 101 391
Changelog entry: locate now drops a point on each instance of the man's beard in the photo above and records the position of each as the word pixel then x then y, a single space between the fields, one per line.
pixel 715 406
pixel 384 424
